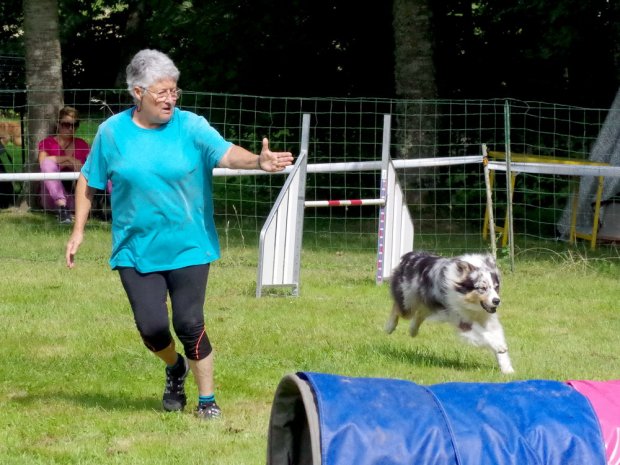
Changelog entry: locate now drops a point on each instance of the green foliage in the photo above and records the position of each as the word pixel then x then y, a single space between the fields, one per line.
pixel 11 34
pixel 239 194
pixel 531 50
pixel 544 50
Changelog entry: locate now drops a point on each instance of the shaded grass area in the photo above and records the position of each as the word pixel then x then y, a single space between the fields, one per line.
pixel 78 387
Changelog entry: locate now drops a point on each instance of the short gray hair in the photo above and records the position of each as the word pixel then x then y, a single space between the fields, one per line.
pixel 149 66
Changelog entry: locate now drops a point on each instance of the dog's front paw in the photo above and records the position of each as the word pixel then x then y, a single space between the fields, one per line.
pixel 505 365
pixel 509 370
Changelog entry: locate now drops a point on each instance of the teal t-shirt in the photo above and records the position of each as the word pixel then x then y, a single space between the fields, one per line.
pixel 162 203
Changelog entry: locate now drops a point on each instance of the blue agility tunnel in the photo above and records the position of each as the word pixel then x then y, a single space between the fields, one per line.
pixel 323 419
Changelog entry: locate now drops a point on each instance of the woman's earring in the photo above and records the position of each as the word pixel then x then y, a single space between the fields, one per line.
pixel 139 107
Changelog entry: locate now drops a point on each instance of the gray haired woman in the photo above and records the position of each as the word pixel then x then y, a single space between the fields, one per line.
pixel 160 161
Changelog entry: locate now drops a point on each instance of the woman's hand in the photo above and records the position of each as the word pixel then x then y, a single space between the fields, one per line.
pixel 273 161
pixel 73 244
pixel 68 161
pixel 239 158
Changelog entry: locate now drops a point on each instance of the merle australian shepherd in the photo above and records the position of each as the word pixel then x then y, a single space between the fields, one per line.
pixel 462 291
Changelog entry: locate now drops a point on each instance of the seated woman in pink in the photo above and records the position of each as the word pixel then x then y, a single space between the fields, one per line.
pixel 62 152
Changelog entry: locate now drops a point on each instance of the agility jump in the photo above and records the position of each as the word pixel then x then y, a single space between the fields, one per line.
pixel 281 236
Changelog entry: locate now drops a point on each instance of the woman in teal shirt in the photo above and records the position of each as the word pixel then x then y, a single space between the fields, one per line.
pixel 160 161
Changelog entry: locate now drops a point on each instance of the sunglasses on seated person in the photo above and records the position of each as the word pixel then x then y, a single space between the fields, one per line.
pixel 69 125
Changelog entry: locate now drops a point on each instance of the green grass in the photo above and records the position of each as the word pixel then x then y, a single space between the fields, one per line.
pixel 78 387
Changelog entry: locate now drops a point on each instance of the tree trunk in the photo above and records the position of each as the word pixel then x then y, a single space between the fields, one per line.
pixel 414 76
pixel 43 80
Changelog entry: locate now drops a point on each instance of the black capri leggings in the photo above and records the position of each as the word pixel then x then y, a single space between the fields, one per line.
pixel 147 295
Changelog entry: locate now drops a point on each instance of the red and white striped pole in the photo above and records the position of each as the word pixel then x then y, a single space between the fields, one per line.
pixel 343 203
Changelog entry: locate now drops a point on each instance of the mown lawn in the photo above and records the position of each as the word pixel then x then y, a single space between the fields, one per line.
pixel 78 387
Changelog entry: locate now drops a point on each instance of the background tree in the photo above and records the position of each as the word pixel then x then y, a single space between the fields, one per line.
pixel 11 47
pixel 565 51
pixel 560 52
pixel 414 78
pixel 43 75
pixel 272 47
pixel 95 37
pixel 520 49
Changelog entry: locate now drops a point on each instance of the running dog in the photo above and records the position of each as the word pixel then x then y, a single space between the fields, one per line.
pixel 462 291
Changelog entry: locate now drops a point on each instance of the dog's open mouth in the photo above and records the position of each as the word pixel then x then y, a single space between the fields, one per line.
pixel 488 308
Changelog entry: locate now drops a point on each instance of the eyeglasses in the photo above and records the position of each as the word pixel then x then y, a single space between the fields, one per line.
pixel 163 95
pixel 68 125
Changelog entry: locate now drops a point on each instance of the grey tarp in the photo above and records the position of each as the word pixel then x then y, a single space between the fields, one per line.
pixel 606 149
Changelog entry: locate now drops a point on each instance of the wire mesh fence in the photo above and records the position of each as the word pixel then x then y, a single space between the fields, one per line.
pixel 447 203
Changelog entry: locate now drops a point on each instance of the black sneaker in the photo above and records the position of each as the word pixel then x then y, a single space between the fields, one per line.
pixel 208 411
pixel 174 394
pixel 64 217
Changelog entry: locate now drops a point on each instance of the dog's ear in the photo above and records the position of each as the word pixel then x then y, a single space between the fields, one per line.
pixel 464 267
pixel 492 264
